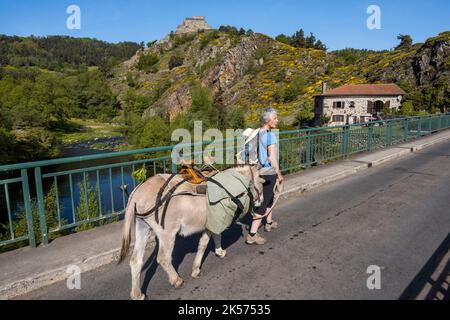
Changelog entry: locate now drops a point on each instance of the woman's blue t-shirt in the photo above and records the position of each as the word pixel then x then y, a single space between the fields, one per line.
pixel 266 139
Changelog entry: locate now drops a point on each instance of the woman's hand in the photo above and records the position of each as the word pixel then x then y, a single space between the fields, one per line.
pixel 280 176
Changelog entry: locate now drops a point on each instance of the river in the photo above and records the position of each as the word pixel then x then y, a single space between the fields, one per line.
pixel 64 186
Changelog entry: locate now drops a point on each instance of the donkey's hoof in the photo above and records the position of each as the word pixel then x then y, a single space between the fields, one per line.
pixel 178 283
pixel 221 253
pixel 196 274
pixel 140 297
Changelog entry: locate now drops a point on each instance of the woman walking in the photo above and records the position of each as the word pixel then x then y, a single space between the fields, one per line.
pixel 270 172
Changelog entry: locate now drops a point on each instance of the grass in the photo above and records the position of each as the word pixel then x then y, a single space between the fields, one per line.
pixel 88 130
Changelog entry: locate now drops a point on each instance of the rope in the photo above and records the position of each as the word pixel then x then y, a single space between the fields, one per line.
pixel 277 189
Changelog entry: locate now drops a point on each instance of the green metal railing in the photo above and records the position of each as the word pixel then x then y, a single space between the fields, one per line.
pixel 41 186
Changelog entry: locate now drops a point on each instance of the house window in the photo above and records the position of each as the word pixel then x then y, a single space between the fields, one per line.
pixel 338 118
pixel 352 104
pixel 339 105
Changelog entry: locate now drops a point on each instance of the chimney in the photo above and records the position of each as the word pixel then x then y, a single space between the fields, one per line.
pixel 324 87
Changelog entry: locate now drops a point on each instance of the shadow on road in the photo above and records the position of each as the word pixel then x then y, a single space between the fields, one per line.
pixel 432 282
pixel 185 246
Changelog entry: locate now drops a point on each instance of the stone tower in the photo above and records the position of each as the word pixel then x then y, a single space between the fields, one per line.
pixel 193 24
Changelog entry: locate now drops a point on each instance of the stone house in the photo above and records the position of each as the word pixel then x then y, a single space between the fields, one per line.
pixel 351 104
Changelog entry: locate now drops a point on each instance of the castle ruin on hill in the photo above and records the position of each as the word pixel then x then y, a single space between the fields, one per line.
pixel 193 24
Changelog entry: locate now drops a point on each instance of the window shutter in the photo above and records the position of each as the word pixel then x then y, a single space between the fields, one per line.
pixel 343 105
pixel 370 107
pixel 387 105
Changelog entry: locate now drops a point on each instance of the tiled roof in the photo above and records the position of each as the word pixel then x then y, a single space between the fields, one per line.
pixel 366 90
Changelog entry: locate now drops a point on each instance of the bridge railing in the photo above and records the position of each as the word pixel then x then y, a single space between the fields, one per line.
pixel 46 199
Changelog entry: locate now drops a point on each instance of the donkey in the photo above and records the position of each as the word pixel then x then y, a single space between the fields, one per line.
pixel 185 216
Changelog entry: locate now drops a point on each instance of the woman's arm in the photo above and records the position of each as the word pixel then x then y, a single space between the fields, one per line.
pixel 274 161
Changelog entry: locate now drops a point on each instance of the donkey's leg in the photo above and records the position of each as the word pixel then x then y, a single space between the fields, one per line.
pixel 218 243
pixel 203 244
pixel 137 260
pixel 166 244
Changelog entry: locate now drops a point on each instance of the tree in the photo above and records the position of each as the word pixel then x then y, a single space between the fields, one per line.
pixel 147 62
pixel 310 41
pixel 405 42
pixel 284 39
pixel 305 117
pixel 298 39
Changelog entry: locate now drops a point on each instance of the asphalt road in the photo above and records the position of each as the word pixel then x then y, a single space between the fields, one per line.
pixel 396 217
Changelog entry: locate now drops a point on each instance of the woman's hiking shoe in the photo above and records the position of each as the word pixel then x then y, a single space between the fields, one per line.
pixel 270 227
pixel 256 239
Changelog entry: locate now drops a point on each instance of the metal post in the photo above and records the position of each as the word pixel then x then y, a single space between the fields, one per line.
pixel 41 205
pixel 28 211
pixel 345 140
pixel 308 149
pixel 406 130
pixel 419 128
pixel 370 137
pixel 389 134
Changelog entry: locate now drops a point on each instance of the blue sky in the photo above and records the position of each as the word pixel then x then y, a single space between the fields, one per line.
pixel 339 24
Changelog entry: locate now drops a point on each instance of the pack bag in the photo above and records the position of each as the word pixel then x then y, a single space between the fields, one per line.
pixel 250 152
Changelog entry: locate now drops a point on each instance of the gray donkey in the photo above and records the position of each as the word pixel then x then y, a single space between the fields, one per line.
pixel 186 215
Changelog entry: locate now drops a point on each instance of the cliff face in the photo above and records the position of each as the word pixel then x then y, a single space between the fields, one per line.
pixel 256 71
pixel 431 63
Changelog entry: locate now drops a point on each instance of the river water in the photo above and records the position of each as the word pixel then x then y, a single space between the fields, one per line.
pixel 67 204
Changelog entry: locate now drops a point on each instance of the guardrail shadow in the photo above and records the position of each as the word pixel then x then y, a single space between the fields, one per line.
pixel 433 281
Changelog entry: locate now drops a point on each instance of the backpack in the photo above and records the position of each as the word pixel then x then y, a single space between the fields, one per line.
pixel 250 152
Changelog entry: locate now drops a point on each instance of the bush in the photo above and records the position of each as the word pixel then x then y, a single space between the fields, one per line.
pixel 147 62
pixel 175 61
pixel 207 37
pixel 294 89
pixel 20 226
pixel 90 210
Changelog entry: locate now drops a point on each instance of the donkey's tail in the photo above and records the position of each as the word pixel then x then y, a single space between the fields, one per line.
pixel 130 215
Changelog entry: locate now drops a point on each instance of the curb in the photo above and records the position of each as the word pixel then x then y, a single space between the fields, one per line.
pixel 34 282
pixel 38 281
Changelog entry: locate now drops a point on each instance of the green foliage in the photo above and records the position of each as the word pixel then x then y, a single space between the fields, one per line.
pixel 234 118
pixel 405 42
pixel 175 61
pixel 180 39
pixel 260 53
pixel 147 62
pixel 160 89
pixel 201 108
pixel 20 226
pixel 133 102
pixel 155 133
pixel 88 208
pixel 57 52
pixel 305 117
pixel 208 65
pixel 140 175
pixel 294 89
pixel 298 40
pixel 151 43
pixel 131 81
pixel 207 37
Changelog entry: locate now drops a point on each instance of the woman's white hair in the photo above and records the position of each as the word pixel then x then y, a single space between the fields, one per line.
pixel 267 115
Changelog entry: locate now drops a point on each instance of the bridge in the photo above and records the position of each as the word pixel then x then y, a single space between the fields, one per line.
pixel 394 216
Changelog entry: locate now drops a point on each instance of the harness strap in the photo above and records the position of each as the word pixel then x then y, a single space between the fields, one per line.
pixel 235 200
pixel 159 200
